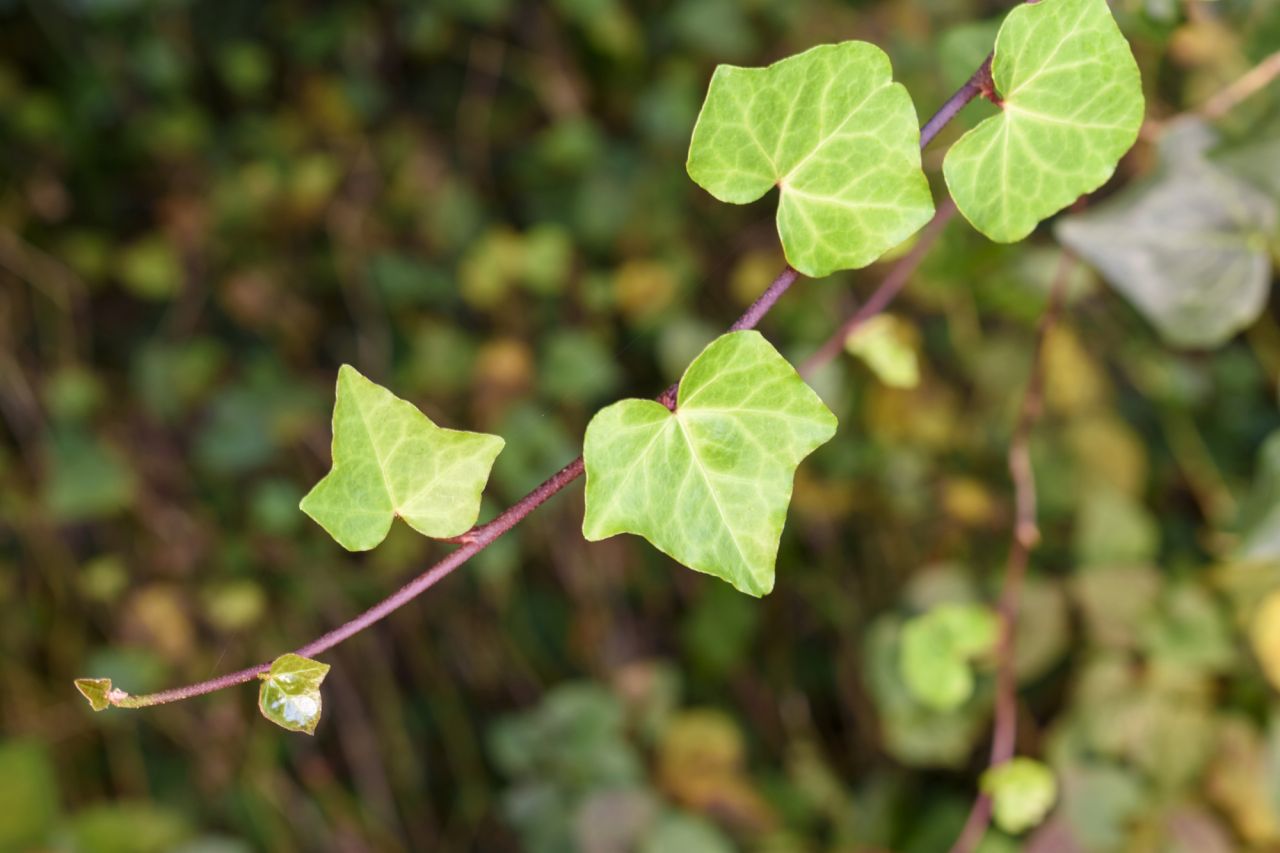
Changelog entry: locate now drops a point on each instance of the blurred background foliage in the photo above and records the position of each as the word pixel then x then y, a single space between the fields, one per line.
pixel 207 205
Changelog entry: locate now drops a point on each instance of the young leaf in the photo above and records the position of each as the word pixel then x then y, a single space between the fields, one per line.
pixel 290 692
pixel 1188 249
pixel 390 460
pixel 708 484
pixel 1022 791
pixel 839 139
pixel 96 690
pixel 1071 106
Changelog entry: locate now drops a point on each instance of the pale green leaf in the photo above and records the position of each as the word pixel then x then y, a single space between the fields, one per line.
pixel 1188 248
pixel 290 692
pixel 839 139
pixel 887 345
pixel 390 460
pixel 97 691
pixel 1022 791
pixel 1072 106
pixel 937 648
pixel 710 483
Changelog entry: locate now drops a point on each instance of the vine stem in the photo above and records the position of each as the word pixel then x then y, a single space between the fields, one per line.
pixel 479 538
pixel 1026 535
pixel 888 290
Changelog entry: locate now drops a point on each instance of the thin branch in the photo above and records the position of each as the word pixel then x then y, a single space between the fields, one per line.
pixel 1026 535
pixel 1252 81
pixel 479 538
pixel 978 84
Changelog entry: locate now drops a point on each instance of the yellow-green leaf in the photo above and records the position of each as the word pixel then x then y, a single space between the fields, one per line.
pixel 1071 107
pixel 290 692
pixel 710 483
pixel 839 139
pixel 390 460
pixel 97 691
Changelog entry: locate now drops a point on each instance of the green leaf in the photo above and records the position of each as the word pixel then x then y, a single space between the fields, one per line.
pixel 1072 105
pixel 839 139
pixel 1188 249
pixel 96 690
pixel 710 483
pixel 390 460
pixel 937 648
pixel 1022 791
pixel 290 692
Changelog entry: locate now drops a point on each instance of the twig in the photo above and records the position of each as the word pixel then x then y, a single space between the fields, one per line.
pixel 1252 81
pixel 479 538
pixel 885 293
pixel 1026 535
pixel 978 84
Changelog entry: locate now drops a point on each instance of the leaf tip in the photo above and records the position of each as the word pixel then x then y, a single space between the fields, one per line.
pixel 97 691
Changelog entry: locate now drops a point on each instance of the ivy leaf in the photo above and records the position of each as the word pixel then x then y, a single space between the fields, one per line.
pixel 290 692
pixel 1022 791
pixel 390 460
pixel 937 648
pixel 1188 248
pixel 839 139
pixel 710 483
pixel 96 690
pixel 1072 105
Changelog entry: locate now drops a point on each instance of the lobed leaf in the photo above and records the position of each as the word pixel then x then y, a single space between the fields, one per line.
pixel 290 692
pixel 839 139
pixel 1071 107
pixel 390 460
pixel 710 483
pixel 1188 249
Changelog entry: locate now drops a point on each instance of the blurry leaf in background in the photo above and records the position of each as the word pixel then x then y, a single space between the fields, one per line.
pixel 577 368
pixel 389 461
pixel 1260 512
pixel 1099 801
pixel 748 139
pixel 1264 635
pixel 1188 248
pixel 559 754
pixel 290 693
pixel 87 477
pixel 676 478
pixel 682 833
pixel 702 765
pixel 914 733
pixel 1022 791
pixel 1052 149
pixel 1114 529
pixel 29 794
pixel 889 346
pixel 150 268
pixel 938 648
pixel 1244 780
pixel 127 827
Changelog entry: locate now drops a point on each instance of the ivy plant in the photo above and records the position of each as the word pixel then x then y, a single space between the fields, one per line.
pixel 705 472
